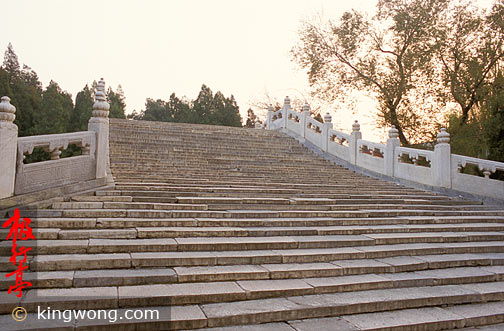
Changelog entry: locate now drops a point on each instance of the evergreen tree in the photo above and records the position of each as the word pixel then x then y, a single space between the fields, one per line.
pixel 117 103
pixel 494 125
pixel 82 110
pixel 11 63
pixel 5 89
pixel 54 115
pixel 251 119
pixel 230 113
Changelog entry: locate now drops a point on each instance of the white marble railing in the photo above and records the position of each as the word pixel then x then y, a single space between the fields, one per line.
pixel 58 171
pixel 18 178
pixel 438 168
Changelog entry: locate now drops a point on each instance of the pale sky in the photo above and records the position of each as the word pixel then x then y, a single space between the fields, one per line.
pixel 153 48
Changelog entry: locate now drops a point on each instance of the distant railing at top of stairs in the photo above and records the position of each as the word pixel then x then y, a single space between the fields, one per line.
pixel 18 178
pixel 438 169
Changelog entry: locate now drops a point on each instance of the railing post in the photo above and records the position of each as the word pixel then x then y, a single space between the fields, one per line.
pixel 392 143
pixel 270 117
pixel 325 131
pixel 99 123
pixel 285 111
pixel 305 116
pixel 352 144
pixel 442 160
pixel 8 148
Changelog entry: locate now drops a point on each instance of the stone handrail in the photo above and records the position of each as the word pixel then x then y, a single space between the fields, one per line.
pixel 92 167
pixel 55 172
pixel 438 170
pixel 54 143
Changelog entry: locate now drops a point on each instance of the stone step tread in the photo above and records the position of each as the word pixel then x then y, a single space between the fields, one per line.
pixel 445 257
pixel 222 298
pixel 430 318
pixel 268 280
pixel 257 311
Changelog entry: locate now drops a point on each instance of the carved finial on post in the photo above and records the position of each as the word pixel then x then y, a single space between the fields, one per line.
pixel 392 143
pixel 8 148
pixel 99 123
pixel 101 106
pixel 287 103
pixel 393 133
pixel 441 165
pixel 7 110
pixel 443 137
pixel 327 118
pixel 306 107
pixel 355 136
pixel 270 108
pixel 356 126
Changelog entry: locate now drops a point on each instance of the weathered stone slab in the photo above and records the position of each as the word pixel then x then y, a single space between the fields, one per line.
pixel 409 279
pixel 407 319
pixel 405 263
pixel 93 213
pixel 454 260
pixel 319 255
pixel 49 246
pixel 383 251
pixel 498 270
pixel 64 223
pixel 458 275
pixel 71 298
pixel 179 294
pixel 362 266
pixel 33 323
pixel 479 314
pixel 421 237
pixel 252 312
pixel 80 262
pixel 131 245
pixel 247 243
pixel 172 259
pixel 302 270
pixel 256 327
pixel 259 289
pixel 9 301
pixel 98 234
pixel 220 273
pixel 349 283
pixel 489 291
pixel 123 277
pixel 322 324
pixel 172 232
pixel 333 241
pixel 248 257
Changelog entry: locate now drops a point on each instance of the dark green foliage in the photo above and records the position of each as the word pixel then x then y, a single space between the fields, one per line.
pixel 206 109
pixel 117 103
pixel 55 112
pixel 482 135
pixel 494 126
pixel 48 111
pixel 82 110
pixel 11 63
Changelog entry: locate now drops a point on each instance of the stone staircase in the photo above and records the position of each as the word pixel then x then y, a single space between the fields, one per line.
pixel 245 229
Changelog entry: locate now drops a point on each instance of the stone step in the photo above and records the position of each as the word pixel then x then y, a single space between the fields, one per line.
pixel 78 255
pixel 226 303
pixel 128 205
pixel 182 213
pixel 473 316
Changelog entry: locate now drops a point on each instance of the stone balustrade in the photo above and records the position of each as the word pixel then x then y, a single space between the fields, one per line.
pixel 439 169
pixel 38 176
pixel 18 178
